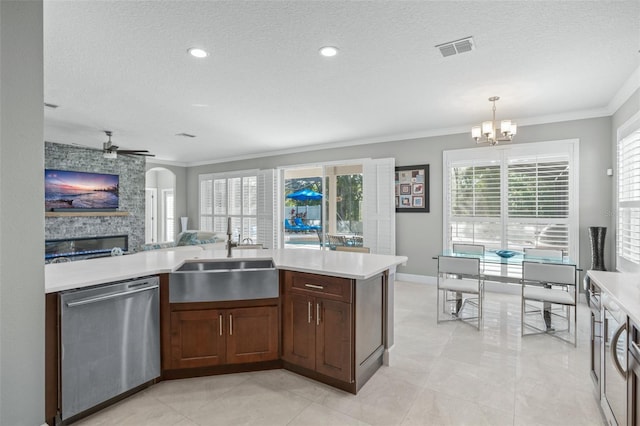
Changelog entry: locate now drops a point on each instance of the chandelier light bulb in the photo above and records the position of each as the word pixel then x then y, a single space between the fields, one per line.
pixel 488 131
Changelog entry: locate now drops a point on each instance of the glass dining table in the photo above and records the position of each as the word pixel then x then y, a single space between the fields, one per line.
pixel 494 267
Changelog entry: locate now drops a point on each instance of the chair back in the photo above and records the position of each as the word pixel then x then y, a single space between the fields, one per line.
pixel 458 265
pixel 468 248
pixel 552 273
pixel 542 253
pixel 359 249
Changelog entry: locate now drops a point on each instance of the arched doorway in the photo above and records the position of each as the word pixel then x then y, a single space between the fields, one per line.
pixel 160 210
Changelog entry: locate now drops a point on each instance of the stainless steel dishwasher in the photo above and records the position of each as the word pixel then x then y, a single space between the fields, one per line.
pixel 110 337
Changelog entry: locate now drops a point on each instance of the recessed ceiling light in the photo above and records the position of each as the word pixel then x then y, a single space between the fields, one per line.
pixel 328 51
pixel 197 52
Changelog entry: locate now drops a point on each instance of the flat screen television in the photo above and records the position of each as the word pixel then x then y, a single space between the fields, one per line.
pixel 66 190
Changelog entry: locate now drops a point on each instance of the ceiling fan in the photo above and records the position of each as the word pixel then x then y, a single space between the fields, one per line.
pixel 111 151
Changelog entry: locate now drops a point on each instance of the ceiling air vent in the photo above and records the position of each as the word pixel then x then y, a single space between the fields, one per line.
pixel 456 47
pixel 186 135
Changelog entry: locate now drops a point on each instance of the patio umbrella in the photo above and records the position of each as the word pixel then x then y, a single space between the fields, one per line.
pixel 305 194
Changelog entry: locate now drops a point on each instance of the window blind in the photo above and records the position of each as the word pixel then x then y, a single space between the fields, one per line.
pixel 512 198
pixel 628 223
pixel 238 196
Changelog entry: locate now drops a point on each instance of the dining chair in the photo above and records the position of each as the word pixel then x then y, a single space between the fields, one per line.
pixel 543 286
pixel 359 249
pixel 460 276
pixel 542 253
pixel 468 248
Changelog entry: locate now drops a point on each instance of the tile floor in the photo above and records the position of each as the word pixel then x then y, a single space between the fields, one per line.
pixel 447 374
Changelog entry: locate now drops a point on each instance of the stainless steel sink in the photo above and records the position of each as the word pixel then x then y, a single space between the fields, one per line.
pixel 219 280
pixel 225 265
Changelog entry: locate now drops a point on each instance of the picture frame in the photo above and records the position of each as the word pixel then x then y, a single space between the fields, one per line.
pixel 412 189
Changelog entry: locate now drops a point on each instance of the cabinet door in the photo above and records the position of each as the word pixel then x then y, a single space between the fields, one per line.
pixel 252 334
pixel 197 338
pixel 334 339
pixel 298 330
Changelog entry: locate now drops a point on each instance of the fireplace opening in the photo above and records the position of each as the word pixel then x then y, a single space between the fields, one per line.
pixel 85 247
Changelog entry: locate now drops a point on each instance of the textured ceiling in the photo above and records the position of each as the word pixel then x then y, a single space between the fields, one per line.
pixel 123 66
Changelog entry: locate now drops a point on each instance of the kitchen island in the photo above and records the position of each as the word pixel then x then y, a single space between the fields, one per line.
pixel 330 320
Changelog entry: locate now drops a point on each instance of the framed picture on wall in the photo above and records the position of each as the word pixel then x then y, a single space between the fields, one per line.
pixel 412 187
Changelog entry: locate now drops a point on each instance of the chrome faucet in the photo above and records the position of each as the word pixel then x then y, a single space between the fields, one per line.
pixel 230 243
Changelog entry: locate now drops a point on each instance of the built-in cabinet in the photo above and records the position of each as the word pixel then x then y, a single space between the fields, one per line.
pixel 318 324
pixel 212 336
pixel 333 328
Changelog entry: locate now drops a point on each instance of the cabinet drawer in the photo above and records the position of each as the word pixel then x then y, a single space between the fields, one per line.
pixel 333 288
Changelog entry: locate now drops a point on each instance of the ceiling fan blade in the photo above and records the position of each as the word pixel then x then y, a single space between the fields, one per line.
pixel 131 151
pixel 142 154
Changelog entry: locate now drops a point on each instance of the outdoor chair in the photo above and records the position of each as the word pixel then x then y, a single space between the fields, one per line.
pixel 301 224
pixel 292 228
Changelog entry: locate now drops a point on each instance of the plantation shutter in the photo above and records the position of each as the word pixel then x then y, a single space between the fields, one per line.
pixel 512 197
pixel 241 196
pixel 628 218
pixel 266 205
pixel 538 202
pixel 378 188
pixel 206 203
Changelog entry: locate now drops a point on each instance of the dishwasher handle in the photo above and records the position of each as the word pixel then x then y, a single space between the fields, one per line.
pixel 96 299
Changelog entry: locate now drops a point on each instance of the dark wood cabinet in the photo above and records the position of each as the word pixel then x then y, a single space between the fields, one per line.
pixel 317 330
pixel 211 337
pixel 334 339
pixel 252 334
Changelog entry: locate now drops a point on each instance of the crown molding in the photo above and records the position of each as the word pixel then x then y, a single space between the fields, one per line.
pixel 624 93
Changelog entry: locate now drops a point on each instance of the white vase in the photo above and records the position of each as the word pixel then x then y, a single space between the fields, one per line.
pixel 183 222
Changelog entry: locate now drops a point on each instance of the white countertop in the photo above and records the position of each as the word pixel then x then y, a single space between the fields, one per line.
pixel 84 273
pixel 623 288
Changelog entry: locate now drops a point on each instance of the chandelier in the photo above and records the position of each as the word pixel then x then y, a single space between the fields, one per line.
pixel 487 133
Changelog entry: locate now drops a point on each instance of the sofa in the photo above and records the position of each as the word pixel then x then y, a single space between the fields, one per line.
pixel 203 239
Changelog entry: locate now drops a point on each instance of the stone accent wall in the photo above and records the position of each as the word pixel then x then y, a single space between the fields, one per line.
pixel 131 170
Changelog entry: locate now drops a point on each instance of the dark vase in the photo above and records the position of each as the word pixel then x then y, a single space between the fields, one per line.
pixel 597 236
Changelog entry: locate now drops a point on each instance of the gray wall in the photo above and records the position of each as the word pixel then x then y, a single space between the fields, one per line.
pixel 419 236
pixel 130 169
pixel 21 214
pixel 624 113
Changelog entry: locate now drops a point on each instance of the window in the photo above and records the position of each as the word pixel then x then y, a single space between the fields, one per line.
pixel 169 222
pixel 628 218
pixel 240 196
pixel 512 197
